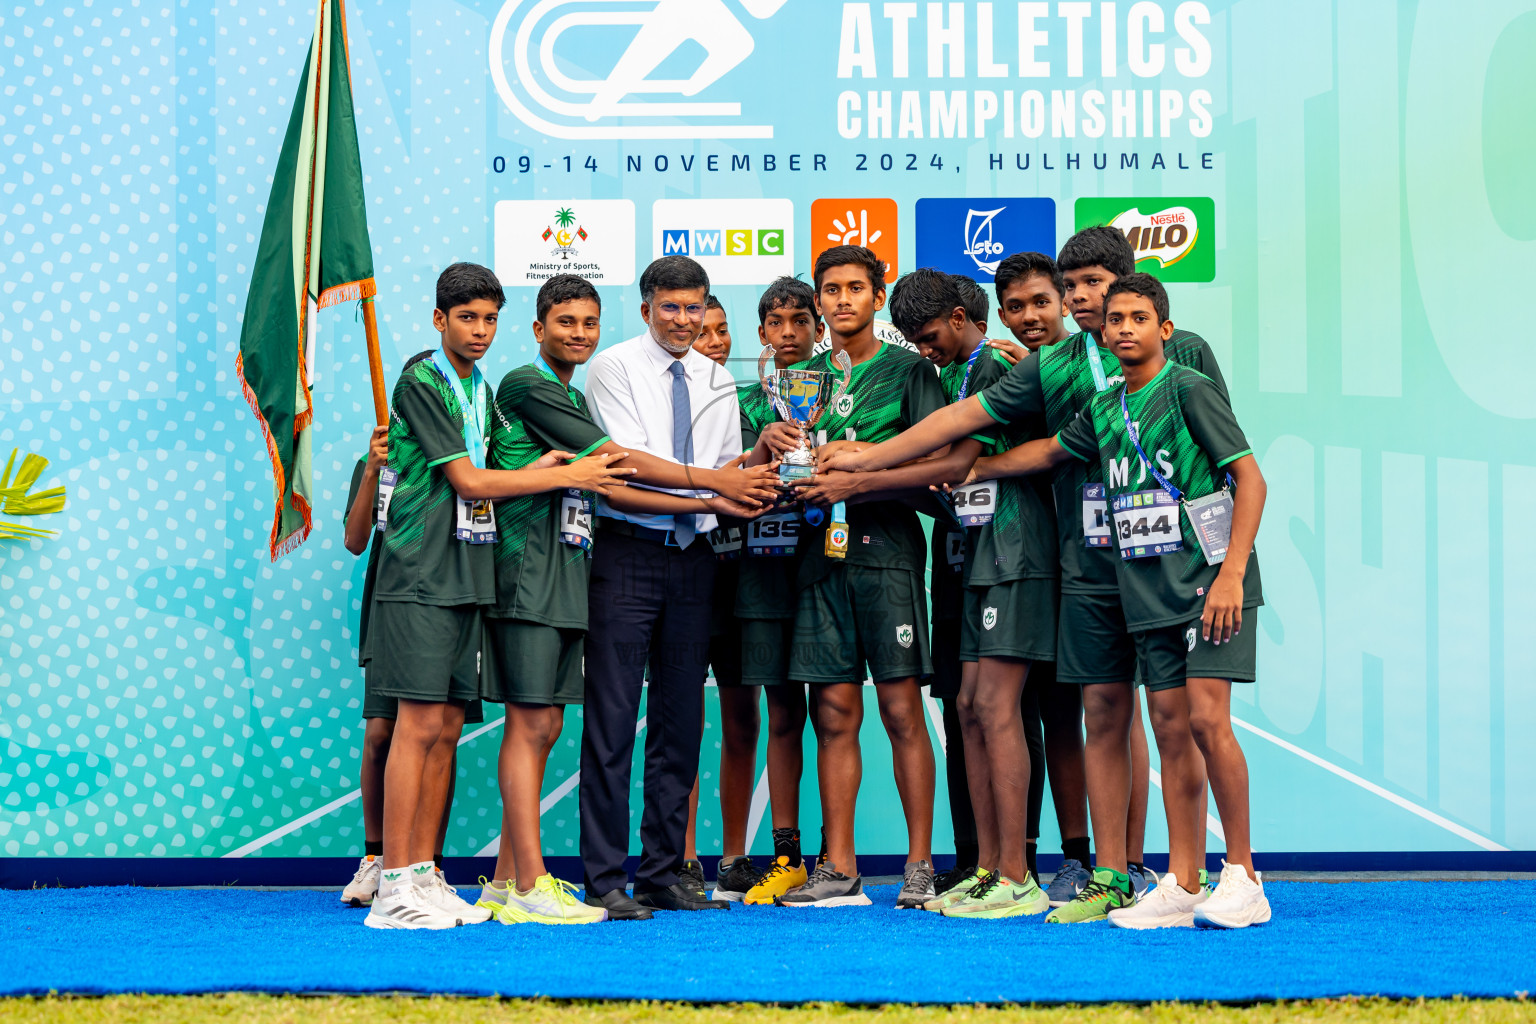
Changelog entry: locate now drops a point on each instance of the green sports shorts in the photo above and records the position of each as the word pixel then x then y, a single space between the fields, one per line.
pixel 1093 643
pixel 1016 619
pixel 1167 656
pixel 376 705
pixel 856 617
pixel 531 663
pixel 765 647
pixel 424 652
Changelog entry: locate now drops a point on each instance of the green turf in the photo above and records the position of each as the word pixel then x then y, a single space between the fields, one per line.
pixel 261 1009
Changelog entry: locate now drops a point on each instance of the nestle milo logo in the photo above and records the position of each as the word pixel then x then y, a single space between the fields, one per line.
pixel 1173 237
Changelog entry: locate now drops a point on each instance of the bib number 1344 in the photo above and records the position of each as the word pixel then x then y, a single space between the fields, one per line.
pixel 1146 524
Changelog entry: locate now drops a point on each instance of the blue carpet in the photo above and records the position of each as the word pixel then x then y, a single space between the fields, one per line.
pixel 1376 938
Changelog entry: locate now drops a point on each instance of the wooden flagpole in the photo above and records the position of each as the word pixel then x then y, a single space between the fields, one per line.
pixel 375 364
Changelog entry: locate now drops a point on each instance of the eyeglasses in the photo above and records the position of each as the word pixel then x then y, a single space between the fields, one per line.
pixel 671 311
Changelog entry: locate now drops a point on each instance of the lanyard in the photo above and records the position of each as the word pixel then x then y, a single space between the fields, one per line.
pixel 1095 363
pixel 965 382
pixel 474 414
pixel 1130 428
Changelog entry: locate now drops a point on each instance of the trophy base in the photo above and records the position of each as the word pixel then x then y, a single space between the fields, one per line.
pixel 789 472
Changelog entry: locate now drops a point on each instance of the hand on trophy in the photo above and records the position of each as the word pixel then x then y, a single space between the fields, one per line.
pixel 747 486
pixel 726 507
pixel 827 489
pixel 845 459
pixel 781 437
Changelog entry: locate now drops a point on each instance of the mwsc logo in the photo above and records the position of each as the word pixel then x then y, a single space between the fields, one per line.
pixel 632 38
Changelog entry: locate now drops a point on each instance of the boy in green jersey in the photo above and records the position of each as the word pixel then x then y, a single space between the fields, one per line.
pixel 360 525
pixel 534 631
pixel 436 568
pixel 1094 646
pixel 1185 496
pixel 863 604
pixel 764 607
pixel 1009 617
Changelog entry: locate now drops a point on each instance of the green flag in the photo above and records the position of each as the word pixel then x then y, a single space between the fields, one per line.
pixel 314 252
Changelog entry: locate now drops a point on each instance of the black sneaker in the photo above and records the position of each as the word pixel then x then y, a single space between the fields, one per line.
pixel 737 880
pixel 682 896
pixel 947 880
pixel 691 874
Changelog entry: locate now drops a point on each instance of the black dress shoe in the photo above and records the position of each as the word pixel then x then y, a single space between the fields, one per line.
pixel 681 896
pixel 619 906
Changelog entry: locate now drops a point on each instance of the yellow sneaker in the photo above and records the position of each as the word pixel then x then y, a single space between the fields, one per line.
pixel 778 880
pixel 551 901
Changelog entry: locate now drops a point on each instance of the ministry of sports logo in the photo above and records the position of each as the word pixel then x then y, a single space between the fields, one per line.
pixel 565 233
pixel 904 634
pixel 531 66
pixel 988 618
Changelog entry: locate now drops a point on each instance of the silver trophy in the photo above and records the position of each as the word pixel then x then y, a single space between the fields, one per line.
pixel 801 397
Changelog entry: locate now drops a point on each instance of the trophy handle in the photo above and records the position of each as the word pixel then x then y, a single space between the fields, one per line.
pixel 844 363
pixel 766 382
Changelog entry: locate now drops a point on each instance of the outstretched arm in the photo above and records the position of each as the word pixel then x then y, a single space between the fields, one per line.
pixel 948 467
pixel 941 427
pixel 1029 457
pixel 593 473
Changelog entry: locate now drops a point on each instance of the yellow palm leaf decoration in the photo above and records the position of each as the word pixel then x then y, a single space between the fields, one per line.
pixel 16 500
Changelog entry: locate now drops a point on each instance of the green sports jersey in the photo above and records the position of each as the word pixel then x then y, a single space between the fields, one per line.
pixel 1059 381
pixel 422 560
pixel 1020 541
pixel 766 586
pixel 889 392
pixel 1187 428
pixel 539 578
pixel 370 575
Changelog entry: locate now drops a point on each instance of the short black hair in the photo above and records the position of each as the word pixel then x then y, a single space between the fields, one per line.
pixel 672 274
pixel 787 293
pixel 973 297
pixel 1022 265
pixel 462 283
pixel 923 296
pixel 710 302
pixel 1144 285
pixel 851 255
pixel 1098 246
pixel 564 288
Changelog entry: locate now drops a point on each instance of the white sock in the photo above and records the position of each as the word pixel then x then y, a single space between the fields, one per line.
pixel 421 874
pixel 392 880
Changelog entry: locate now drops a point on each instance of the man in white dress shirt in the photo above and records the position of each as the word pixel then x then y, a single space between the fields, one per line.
pixel 649 597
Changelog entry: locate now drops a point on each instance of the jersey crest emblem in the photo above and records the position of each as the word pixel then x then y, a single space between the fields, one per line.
pixel 904 634
pixel 988 618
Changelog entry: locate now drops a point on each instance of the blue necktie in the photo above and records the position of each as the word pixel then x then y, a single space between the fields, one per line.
pixel 682 443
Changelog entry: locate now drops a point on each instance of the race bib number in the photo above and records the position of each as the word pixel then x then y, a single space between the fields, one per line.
pixel 576 519
pixel 975 504
pixel 773 536
pixel 1211 519
pixel 954 549
pixel 1147 524
pixel 475 521
pixel 726 541
pixel 1096 527
pixel 387 480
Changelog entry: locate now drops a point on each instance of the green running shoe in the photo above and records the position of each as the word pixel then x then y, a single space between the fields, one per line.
pixel 996 896
pixel 1105 893
pixel 1205 879
pixel 955 893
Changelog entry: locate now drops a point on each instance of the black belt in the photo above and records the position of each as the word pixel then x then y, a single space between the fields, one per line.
pixel 666 538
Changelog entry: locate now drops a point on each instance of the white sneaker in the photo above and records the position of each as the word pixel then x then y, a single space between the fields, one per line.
pixel 1238 901
pixel 445 897
pixel 365 883
pixel 407 907
pixel 1166 905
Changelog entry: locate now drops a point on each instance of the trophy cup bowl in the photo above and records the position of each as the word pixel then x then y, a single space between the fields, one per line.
pixel 801 397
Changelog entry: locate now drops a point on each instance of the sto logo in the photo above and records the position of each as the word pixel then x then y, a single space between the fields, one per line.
pixel 545 97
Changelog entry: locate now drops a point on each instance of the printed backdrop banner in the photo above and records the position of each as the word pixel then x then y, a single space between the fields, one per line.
pixel 1309 178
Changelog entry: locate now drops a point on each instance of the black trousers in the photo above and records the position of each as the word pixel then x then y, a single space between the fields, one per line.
pixel 647 603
